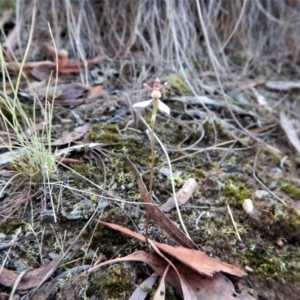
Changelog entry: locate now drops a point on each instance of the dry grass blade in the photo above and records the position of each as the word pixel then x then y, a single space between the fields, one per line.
pixel 156 214
pixel 161 290
pixel 143 289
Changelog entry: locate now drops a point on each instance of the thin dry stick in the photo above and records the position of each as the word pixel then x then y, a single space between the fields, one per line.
pixel 233 222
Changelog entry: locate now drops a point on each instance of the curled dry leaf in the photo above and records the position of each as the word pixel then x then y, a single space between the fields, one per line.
pixel 157 263
pixel 77 133
pixel 190 285
pixel 195 259
pixel 30 280
pixel 183 195
pixel 62 92
pixel 95 92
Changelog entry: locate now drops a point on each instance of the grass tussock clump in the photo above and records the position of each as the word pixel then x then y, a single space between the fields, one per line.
pixel 173 34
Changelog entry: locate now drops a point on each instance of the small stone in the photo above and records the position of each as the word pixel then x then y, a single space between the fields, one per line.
pixel 276 170
pixel 260 194
pixel 242 246
pixel 272 185
pixel 20 266
pixel 249 270
pixel 91 254
pixel 141 226
pixel 248 206
pixel 82 210
pixel 2 236
pixel 279 242
pixel 53 255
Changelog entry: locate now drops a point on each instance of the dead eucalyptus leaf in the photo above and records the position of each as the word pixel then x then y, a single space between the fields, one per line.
pixel 30 280
pixel 156 262
pixel 61 92
pixel 196 286
pixel 77 133
pixel 195 259
pixel 156 214
pixel 95 92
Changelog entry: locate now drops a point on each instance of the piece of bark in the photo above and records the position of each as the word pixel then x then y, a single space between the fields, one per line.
pixel 183 195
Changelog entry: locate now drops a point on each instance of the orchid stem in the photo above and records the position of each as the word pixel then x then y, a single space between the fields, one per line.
pixel 153 118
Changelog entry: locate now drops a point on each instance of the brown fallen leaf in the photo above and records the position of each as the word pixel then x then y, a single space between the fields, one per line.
pixel 43 71
pixel 183 195
pixel 204 288
pixel 195 259
pixel 290 131
pixel 186 290
pixel 196 286
pixel 30 280
pixel 62 92
pixel 154 261
pixel 64 65
pixel 77 133
pixel 95 92
pixel 156 214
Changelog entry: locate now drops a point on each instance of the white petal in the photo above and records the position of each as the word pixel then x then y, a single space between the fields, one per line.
pixel 163 107
pixel 142 103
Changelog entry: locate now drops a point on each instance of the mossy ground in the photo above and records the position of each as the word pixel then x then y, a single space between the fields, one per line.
pixel 220 183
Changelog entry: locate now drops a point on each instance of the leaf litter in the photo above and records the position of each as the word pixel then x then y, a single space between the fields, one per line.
pixel 193 267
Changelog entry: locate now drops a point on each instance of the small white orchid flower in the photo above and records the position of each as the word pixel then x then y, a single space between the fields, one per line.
pixel 155 95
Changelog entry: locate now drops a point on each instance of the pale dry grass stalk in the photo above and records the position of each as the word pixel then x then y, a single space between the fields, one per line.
pixel 264 27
